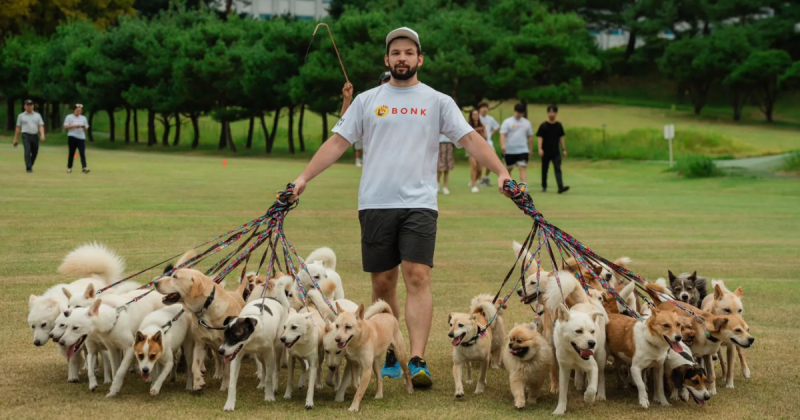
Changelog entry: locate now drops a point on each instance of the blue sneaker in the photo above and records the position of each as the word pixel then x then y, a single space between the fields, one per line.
pixel 391 368
pixel 420 375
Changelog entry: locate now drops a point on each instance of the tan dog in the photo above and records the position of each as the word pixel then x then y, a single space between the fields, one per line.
pixel 725 302
pixel 644 345
pixel 210 303
pixel 468 343
pixel 365 336
pixel 527 360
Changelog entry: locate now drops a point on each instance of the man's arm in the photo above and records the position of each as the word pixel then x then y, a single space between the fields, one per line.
pixel 541 150
pixel 530 146
pixel 326 156
pixel 41 132
pixel 563 146
pixel 503 142
pixel 486 156
pixel 16 135
pixel 347 93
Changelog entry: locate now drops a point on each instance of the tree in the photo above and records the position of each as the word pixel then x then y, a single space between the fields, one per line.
pixel 686 62
pixel 761 75
pixel 15 65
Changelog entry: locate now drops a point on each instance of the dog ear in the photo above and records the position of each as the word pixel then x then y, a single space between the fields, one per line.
pixel 562 313
pixel 228 320
pixel 449 317
pixel 157 337
pixel 598 269
pixel 360 311
pixel 339 308
pixel 32 300
pixel 719 323
pixel 678 375
pixel 89 293
pixel 718 292
pixel 139 337
pixel 739 292
pixel 327 327
pixel 168 268
pixel 252 321
pixel 692 277
pixel 198 288
pixel 596 316
pixel 95 308
pixel 66 293
pixel 270 284
pixel 672 277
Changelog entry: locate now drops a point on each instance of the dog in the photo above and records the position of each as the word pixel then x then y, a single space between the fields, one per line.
pixel 684 376
pixel 473 341
pixel 256 330
pixel 302 337
pixel 528 359
pixel 365 336
pixel 644 344
pixel 157 341
pixel 688 288
pixel 725 302
pixel 321 265
pixel 332 357
pixel 579 339
pixel 210 303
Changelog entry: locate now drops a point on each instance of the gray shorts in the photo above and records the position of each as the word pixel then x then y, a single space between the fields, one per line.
pixel 390 236
pixel 358 145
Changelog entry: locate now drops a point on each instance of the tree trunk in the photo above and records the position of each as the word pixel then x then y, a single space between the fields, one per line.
pixel 324 127
pixel 222 136
pixel 177 129
pixel 300 128
pixel 151 128
pixel 271 140
pixel 737 102
pixel 135 125
pixel 228 7
pixel 264 128
pixel 127 124
pixel 631 48
pixel 111 127
pixel 768 108
pixel 229 137
pixel 10 120
pixel 55 116
pixel 291 129
pixel 196 126
pixel 165 136
pixel 90 131
pixel 250 133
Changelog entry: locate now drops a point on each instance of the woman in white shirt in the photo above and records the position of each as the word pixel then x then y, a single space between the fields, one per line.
pixel 76 125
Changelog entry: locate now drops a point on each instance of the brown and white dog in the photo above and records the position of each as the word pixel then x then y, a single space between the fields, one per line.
pixel 211 303
pixel 725 302
pixel 365 336
pixel 470 345
pixel 527 360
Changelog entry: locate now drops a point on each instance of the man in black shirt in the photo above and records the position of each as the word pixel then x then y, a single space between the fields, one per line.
pixel 551 134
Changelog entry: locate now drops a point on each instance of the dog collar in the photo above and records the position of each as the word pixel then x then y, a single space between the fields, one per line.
pixel 711 338
pixel 206 305
pixel 471 341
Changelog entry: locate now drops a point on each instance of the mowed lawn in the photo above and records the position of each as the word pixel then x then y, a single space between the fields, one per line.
pixel 151 206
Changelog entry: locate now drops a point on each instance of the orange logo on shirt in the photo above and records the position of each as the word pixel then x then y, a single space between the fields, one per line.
pixel 382 111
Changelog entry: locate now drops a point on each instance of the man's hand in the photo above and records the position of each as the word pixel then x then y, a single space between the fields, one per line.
pixel 347 91
pixel 565 153
pixel 541 153
pixel 42 138
pixel 299 187
pixel 16 142
pixel 501 180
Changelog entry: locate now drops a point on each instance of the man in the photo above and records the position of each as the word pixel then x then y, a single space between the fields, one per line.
pixel 551 134
pixel 491 127
pixel 76 125
pixel 516 141
pixel 347 93
pixel 29 123
pixel 400 123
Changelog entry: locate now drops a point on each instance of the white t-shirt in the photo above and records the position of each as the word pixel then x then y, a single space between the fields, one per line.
pixel 491 124
pixel 400 129
pixel 79 120
pixel 517 132
pixel 444 139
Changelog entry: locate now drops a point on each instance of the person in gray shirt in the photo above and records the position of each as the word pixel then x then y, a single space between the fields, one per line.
pixel 29 123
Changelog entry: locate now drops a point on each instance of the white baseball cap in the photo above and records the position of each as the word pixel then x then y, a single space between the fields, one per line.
pixel 402 32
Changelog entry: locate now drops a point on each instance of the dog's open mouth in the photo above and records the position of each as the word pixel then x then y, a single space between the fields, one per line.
pixel 519 351
pixel 674 345
pixel 459 339
pixel 171 298
pixel 527 300
pixel 688 341
pixel 290 345
pixel 233 355
pixel 146 377
pixel 584 354
pixel 71 350
pixel 699 402
pixel 343 344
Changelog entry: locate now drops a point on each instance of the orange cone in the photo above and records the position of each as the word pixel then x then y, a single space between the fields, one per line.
pixel 224 162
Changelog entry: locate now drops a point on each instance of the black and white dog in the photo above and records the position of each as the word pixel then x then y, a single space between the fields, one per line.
pixel 688 288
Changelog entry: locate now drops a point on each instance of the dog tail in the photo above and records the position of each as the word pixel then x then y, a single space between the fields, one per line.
pixel 280 291
pixel 662 282
pixel 555 296
pixel 316 298
pixel 93 260
pixel 186 257
pixel 623 261
pixel 486 308
pixel 324 254
pixel 379 307
pixel 517 248
pixel 654 289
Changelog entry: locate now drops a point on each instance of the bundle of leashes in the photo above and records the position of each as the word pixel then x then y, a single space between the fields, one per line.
pixel 267 229
pixel 546 237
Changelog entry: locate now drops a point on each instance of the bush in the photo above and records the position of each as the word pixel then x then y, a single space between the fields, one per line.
pixel 697 167
pixel 791 163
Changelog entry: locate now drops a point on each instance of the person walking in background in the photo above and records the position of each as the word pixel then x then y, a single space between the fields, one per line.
pixel 516 141
pixel 31 126
pixel 551 135
pixel 76 126
pixel 446 163
pixel 475 167
pixel 491 127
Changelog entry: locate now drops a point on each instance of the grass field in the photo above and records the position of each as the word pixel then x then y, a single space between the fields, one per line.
pixel 150 206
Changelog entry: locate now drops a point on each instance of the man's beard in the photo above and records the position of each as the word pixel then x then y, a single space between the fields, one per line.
pixel 408 74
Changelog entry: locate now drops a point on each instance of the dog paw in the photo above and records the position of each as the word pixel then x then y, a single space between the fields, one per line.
pixel 269 398
pixel 111 394
pixel 287 396
pixel 460 395
pixel 153 392
pixel 93 388
pixel 353 409
pixel 554 390
pixel 468 381
pixel 665 403
pixel 479 390
pixel 589 396
pixel 644 403
pixel 559 411
pixel 309 406
pixel 600 396
pixel 746 374
pixel 519 407
pixel 73 380
pixel 730 385
pixel 229 407
pixel 319 387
